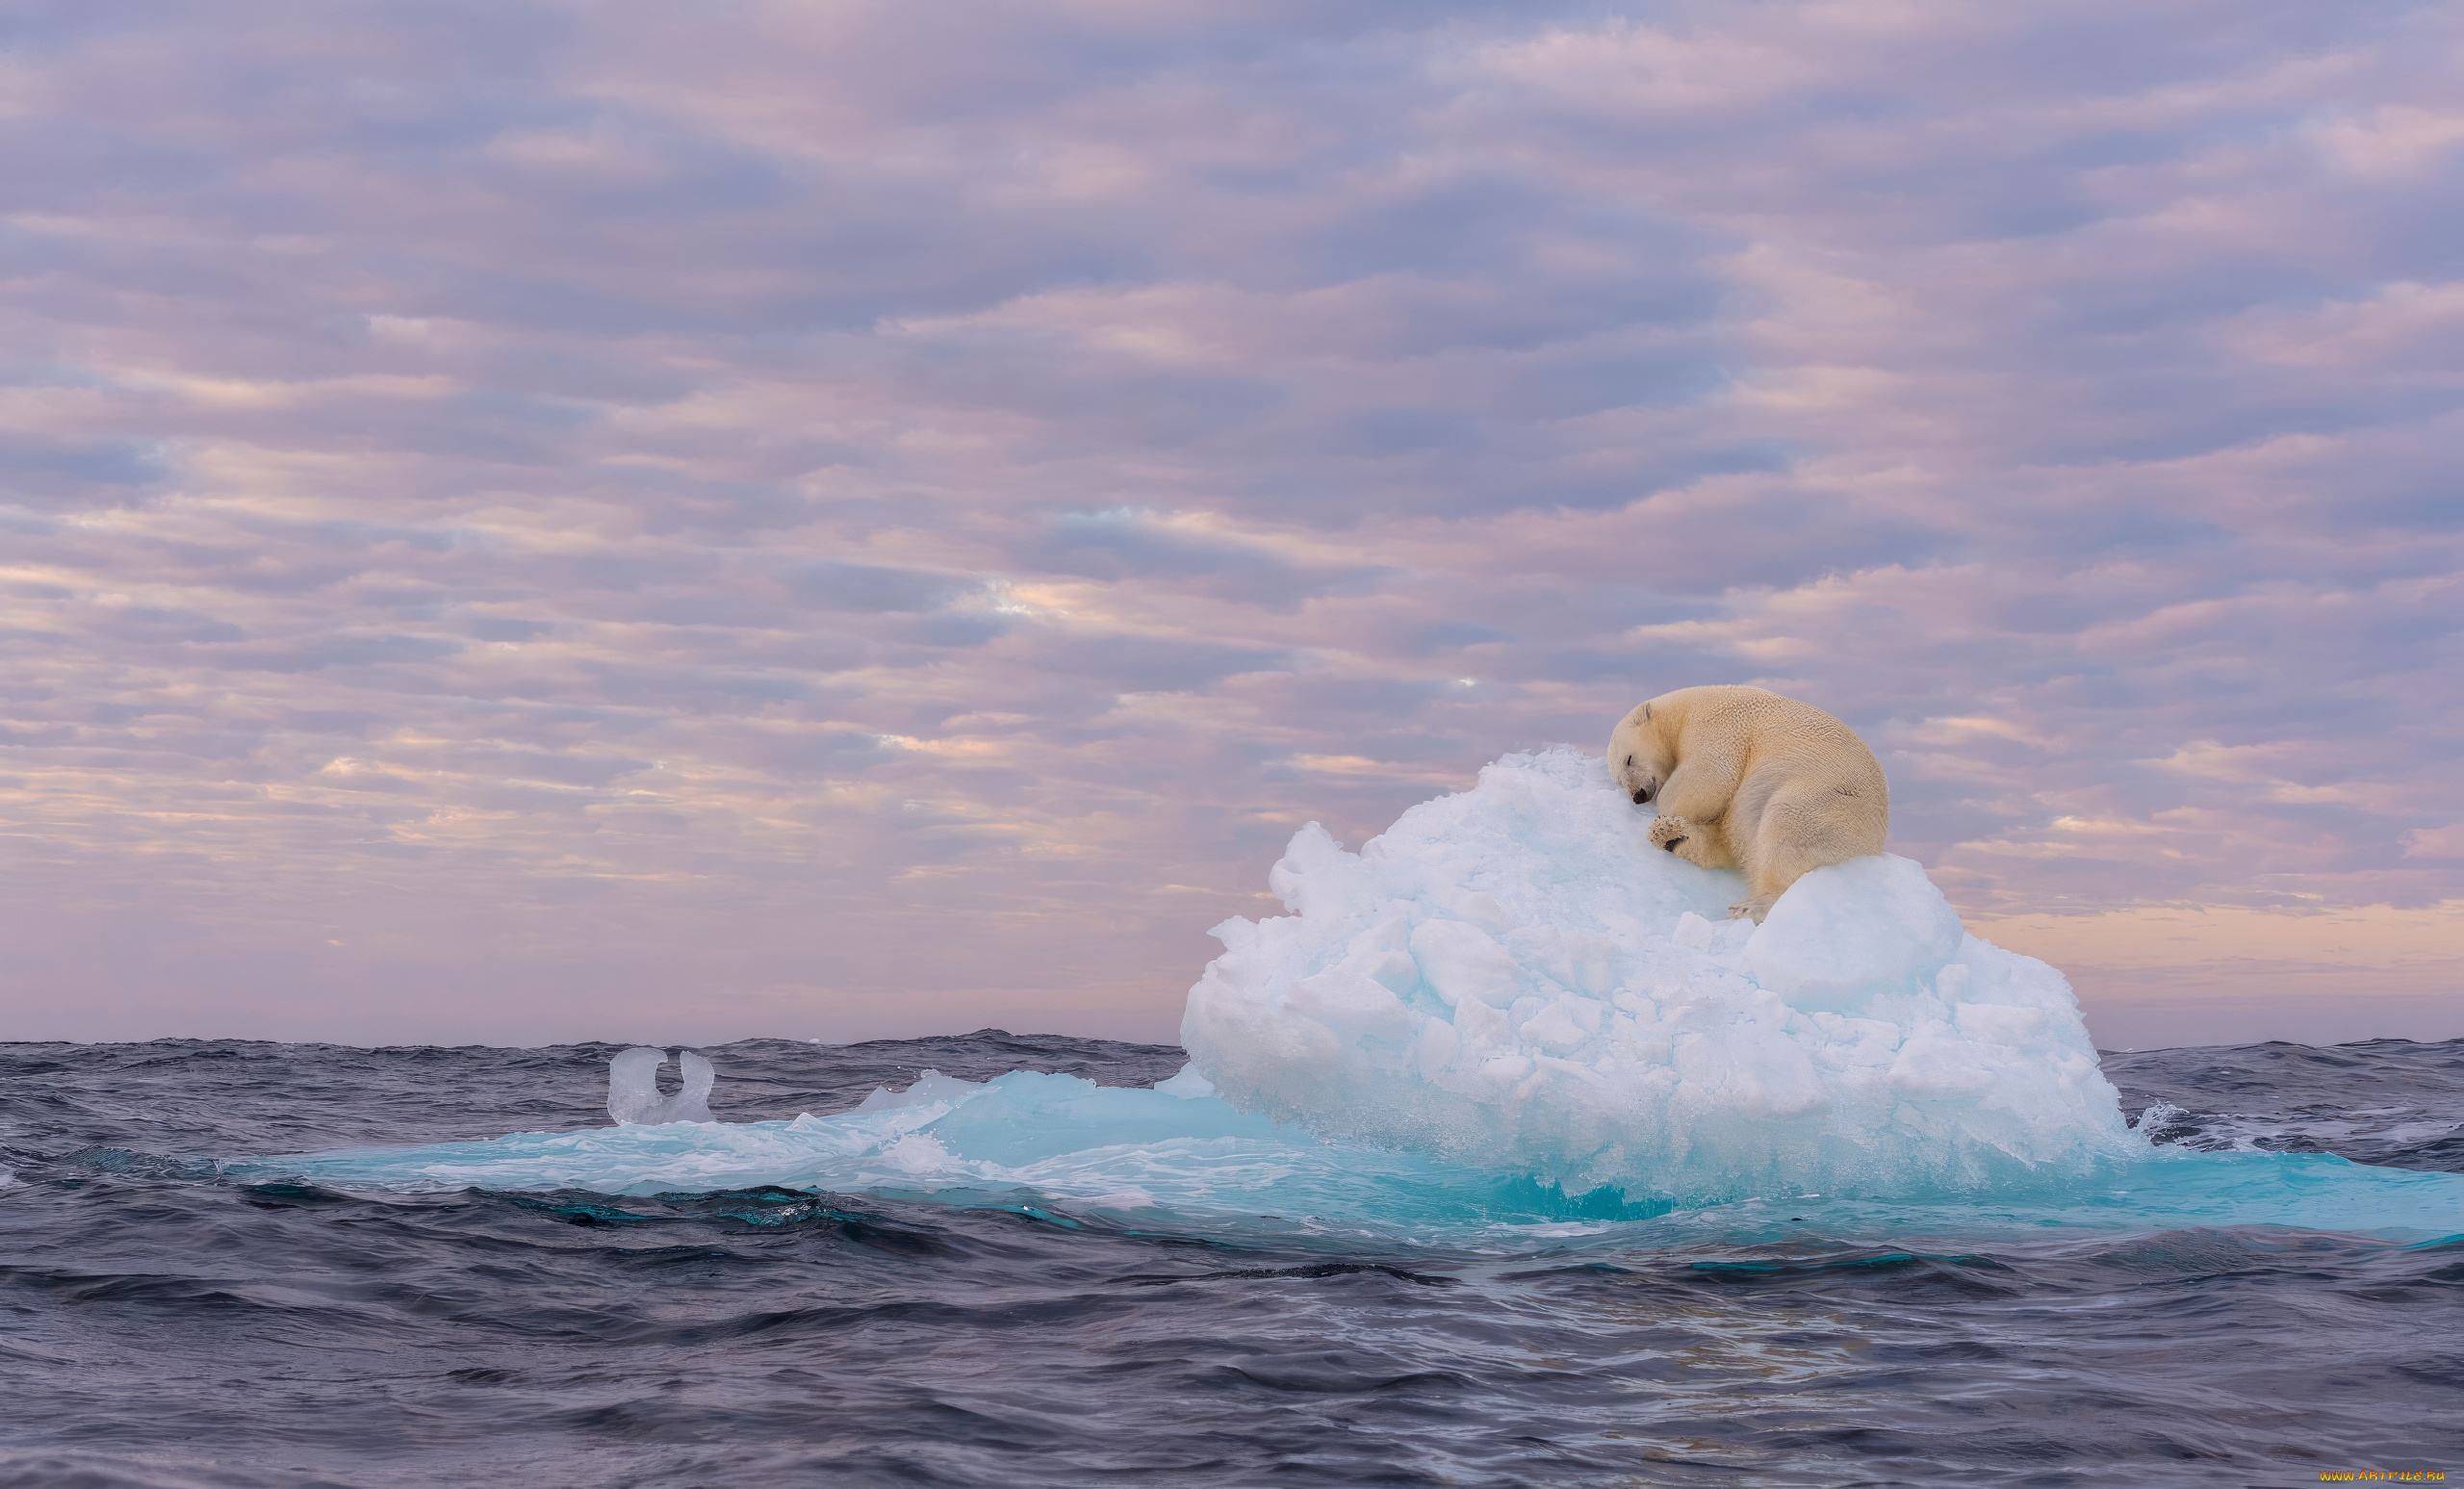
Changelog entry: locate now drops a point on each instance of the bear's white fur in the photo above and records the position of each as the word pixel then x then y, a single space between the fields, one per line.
pixel 1747 780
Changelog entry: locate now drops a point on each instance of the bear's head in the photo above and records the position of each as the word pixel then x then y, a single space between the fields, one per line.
pixel 1641 751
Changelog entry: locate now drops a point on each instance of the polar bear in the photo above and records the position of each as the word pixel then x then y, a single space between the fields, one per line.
pixel 1747 780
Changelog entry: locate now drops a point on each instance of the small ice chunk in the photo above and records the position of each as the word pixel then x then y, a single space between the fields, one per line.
pixel 918 1153
pixel 1188 1084
pixel 633 1097
pixel 1561 1025
pixel 2162 1118
pixel 1848 933
pixel 932 1088
pixel 1935 1063
pixel 1460 961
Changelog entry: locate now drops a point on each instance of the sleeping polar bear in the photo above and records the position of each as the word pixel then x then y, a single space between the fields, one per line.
pixel 1747 780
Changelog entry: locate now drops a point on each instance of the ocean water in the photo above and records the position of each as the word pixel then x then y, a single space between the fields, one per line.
pixel 1501 1157
pixel 238 1263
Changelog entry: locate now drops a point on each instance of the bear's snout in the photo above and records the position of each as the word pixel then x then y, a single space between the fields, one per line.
pixel 1643 793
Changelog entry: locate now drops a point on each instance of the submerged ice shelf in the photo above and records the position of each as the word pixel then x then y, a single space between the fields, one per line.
pixel 1173 1159
pixel 1025 1138
pixel 1509 1011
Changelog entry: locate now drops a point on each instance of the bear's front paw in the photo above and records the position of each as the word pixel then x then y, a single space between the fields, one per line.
pixel 1752 910
pixel 1669 831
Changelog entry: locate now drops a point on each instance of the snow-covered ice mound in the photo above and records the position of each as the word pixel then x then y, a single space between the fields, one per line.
pixel 1513 978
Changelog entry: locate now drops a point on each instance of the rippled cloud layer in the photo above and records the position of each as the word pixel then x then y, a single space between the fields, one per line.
pixel 538 519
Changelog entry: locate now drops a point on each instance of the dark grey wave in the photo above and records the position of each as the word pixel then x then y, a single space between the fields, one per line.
pixel 164 1328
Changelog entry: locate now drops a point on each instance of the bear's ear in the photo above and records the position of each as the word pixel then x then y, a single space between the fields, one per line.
pixel 1647 713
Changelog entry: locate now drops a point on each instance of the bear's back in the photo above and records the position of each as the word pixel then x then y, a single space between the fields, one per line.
pixel 1776 731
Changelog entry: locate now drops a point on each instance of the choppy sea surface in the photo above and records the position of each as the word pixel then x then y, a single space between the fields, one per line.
pixel 181 1305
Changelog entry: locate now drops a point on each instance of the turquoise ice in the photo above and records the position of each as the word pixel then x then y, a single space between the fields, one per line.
pixel 1193 1164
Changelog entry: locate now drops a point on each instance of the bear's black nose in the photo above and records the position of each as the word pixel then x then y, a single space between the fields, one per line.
pixel 1642 795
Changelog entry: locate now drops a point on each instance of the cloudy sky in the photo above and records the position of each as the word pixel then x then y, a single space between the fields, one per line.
pixel 534 519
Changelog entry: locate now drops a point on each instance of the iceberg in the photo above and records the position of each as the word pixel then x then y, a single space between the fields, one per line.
pixel 1513 978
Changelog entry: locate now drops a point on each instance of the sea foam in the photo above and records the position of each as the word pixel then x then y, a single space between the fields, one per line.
pixel 1513 978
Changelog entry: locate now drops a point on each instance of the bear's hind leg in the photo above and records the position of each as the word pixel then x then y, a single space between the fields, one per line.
pixel 1789 840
